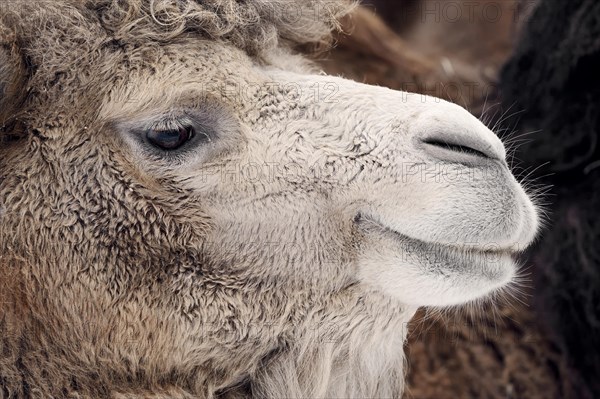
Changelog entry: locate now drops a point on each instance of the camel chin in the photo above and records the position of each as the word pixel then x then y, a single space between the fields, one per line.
pixel 462 253
pixel 428 274
pixel 423 272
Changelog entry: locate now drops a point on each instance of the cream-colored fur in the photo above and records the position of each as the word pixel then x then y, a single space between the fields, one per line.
pixel 281 257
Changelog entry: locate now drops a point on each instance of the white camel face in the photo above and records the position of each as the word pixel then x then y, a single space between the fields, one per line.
pixel 177 211
pixel 328 183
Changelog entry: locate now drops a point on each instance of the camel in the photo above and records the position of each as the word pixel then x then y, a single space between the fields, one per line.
pixel 191 209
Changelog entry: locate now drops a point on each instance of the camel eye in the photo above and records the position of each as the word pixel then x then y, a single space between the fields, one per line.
pixel 170 139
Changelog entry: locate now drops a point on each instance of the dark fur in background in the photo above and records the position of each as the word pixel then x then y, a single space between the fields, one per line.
pixel 554 77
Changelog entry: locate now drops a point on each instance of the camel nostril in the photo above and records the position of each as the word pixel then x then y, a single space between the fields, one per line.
pixel 460 148
pixel 467 147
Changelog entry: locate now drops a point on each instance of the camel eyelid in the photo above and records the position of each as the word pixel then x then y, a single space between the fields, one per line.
pixel 205 132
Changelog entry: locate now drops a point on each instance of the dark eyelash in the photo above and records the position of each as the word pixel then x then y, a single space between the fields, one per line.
pixel 172 123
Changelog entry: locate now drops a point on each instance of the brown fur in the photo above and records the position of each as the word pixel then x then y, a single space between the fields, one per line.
pixel 404 45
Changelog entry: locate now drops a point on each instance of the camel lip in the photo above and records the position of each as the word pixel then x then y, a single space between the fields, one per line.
pixel 495 250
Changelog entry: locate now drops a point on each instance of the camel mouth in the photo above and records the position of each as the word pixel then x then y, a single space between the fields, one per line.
pixel 487 250
pixel 421 273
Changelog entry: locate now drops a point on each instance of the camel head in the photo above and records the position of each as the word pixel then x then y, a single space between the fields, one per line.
pixel 188 209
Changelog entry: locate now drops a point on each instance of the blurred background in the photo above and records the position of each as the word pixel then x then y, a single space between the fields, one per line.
pixel 530 70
